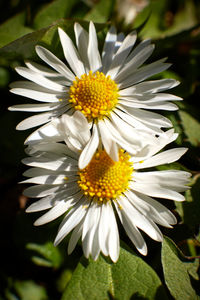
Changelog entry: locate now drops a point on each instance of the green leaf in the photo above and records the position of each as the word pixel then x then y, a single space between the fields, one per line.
pixel 101 12
pixel 24 47
pixel 176 271
pixel 191 127
pixel 129 277
pixel 190 209
pixel 30 290
pixel 13 28
pixel 51 257
pixel 166 22
pixel 53 11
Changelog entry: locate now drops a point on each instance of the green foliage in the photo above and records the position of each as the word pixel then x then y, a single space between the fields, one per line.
pixel 26 290
pixel 191 127
pixel 57 9
pixel 51 257
pixel 101 12
pixel 175 27
pixel 163 22
pixel 24 47
pixel 129 277
pixel 13 29
pixel 190 209
pixel 178 271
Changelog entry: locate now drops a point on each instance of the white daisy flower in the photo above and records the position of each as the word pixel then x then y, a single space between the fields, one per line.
pixel 109 89
pixel 92 197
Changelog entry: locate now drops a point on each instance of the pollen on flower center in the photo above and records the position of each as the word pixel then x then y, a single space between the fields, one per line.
pixel 104 179
pixel 94 94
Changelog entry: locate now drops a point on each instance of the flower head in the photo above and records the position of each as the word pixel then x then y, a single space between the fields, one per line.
pixel 108 88
pixel 91 197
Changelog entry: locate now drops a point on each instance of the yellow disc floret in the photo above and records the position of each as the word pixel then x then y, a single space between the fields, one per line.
pixel 94 94
pixel 104 179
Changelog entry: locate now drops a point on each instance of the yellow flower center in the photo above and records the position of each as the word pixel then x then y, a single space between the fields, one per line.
pixel 94 94
pixel 104 179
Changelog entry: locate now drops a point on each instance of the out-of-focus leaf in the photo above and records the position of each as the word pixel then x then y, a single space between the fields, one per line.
pixel 191 127
pixel 176 271
pixel 53 11
pixel 100 13
pixel 4 77
pixel 13 29
pixel 190 209
pixel 51 257
pixel 29 290
pixel 164 22
pixel 129 278
pixel 24 47
pixel 63 280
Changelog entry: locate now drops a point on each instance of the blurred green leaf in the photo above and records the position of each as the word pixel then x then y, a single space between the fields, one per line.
pixel 24 47
pixel 29 290
pixel 129 277
pixel 51 257
pixel 53 11
pixel 101 12
pixel 191 127
pixel 63 280
pixel 176 271
pixel 165 21
pixel 13 29
pixel 190 209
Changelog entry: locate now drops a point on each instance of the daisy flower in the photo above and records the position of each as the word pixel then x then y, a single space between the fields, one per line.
pixel 91 198
pixel 108 88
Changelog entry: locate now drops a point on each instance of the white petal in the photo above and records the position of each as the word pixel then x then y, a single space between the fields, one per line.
pixel 76 234
pixel 155 190
pixel 149 105
pixel 134 63
pixel 45 96
pixel 39 79
pixel 54 62
pixel 34 107
pixel 140 220
pixel 60 165
pixel 161 209
pixel 132 231
pixel 146 209
pixel 148 118
pixel 122 54
pixel 144 72
pixel 41 190
pixel 109 145
pixel 46 179
pixel 104 225
pixel 71 220
pixel 35 121
pixel 89 227
pixel 154 86
pixel 53 213
pixel 71 54
pixel 59 209
pixel 162 158
pixel 82 39
pixel 93 51
pixel 43 70
pixel 89 149
pixel 76 126
pixel 120 39
pixel 113 236
pixel 108 49
pixel 144 44
pixel 44 133
pixel 39 205
pixel 172 179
